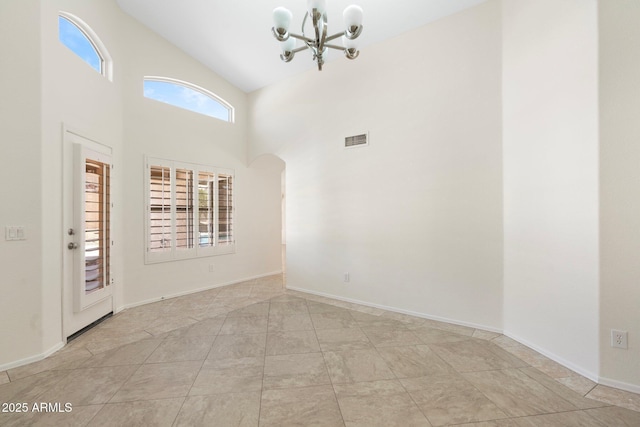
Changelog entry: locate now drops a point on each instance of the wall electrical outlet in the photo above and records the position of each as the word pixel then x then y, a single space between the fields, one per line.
pixel 346 277
pixel 619 339
pixel 212 267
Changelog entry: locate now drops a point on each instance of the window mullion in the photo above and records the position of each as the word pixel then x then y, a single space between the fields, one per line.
pixel 174 234
pixel 216 215
pixel 196 210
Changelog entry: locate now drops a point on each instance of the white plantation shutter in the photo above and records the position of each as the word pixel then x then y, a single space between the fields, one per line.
pixel 225 209
pixel 159 210
pixel 184 209
pixel 190 210
pixel 206 213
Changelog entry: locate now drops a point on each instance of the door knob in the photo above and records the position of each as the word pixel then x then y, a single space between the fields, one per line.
pixel 72 245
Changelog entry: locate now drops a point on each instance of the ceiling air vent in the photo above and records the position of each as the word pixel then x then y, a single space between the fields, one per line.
pixel 356 140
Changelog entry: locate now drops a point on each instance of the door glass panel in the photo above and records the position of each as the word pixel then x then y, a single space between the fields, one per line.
pixel 206 213
pixel 96 233
pixel 225 209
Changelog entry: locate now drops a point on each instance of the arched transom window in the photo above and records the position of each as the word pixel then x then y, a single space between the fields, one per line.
pixel 83 41
pixel 187 96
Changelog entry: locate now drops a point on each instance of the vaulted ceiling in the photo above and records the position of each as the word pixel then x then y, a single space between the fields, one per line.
pixel 233 38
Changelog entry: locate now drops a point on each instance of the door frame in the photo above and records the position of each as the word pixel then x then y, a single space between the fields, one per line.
pixel 68 178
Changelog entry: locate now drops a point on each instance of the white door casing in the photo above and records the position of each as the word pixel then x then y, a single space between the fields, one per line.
pixel 87 282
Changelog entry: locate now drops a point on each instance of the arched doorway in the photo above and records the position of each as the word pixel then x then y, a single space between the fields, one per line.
pixel 273 168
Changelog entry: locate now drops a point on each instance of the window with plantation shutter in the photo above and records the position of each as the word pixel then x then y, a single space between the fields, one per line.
pixel 159 220
pixel 190 210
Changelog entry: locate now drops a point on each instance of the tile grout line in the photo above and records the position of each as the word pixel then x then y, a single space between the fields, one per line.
pixel 264 361
pixel 458 373
pixel 568 389
pixel 326 368
pixel 397 379
pixel 64 373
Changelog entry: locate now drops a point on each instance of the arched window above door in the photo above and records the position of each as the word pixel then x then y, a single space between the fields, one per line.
pixel 76 35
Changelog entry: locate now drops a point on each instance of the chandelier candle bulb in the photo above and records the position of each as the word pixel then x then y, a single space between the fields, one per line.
pixel 352 16
pixel 319 5
pixel 282 19
pixel 288 45
pixel 350 47
pixel 349 43
pixel 287 49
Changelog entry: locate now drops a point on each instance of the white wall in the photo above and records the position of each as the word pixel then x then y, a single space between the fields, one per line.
pixel 20 261
pixel 403 215
pixel 160 130
pixel 550 144
pixel 416 217
pixel 77 96
pixel 619 189
pixel 45 85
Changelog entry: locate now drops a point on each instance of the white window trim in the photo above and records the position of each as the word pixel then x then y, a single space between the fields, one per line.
pixel 197 88
pixel 101 49
pixel 175 254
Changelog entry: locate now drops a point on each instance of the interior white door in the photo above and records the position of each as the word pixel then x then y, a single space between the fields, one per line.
pixel 87 243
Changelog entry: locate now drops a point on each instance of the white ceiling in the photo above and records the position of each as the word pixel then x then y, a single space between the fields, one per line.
pixel 233 37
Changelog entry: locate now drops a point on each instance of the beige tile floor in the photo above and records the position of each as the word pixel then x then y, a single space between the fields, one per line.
pixel 254 354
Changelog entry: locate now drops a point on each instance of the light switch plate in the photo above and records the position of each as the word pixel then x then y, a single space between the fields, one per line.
pixel 14 232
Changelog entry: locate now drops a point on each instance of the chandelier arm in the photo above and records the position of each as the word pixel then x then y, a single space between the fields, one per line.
pixel 322 41
pixel 304 21
pixel 334 46
pixel 303 38
pixel 300 49
pixel 323 37
pixel 316 28
pixel 317 46
pixel 334 36
pixel 311 43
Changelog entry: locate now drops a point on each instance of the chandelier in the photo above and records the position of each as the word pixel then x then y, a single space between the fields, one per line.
pixel 320 43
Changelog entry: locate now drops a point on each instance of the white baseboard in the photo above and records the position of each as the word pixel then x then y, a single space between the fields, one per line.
pixel 633 388
pixel 199 289
pixel 567 364
pixel 58 346
pixel 575 368
pixel 31 359
pixel 397 310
